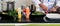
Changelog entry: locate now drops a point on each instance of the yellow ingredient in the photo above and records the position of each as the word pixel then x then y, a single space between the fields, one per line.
pixel 19 14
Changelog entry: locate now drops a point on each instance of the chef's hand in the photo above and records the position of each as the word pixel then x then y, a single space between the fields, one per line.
pixel 46 12
pixel 53 10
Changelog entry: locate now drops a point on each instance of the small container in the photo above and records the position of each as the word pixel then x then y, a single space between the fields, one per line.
pixel 10 6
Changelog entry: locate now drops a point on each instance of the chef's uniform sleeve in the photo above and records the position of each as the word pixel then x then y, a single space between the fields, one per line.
pixel 36 2
pixel 58 3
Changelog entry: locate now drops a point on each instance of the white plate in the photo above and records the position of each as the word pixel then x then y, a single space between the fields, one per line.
pixel 53 15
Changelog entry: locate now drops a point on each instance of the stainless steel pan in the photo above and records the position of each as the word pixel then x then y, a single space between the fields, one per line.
pixel 52 16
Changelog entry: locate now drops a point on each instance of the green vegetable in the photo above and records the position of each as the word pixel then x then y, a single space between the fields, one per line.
pixel 13 13
pixel 37 13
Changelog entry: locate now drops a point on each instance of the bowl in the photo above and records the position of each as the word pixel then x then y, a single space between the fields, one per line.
pixel 53 15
